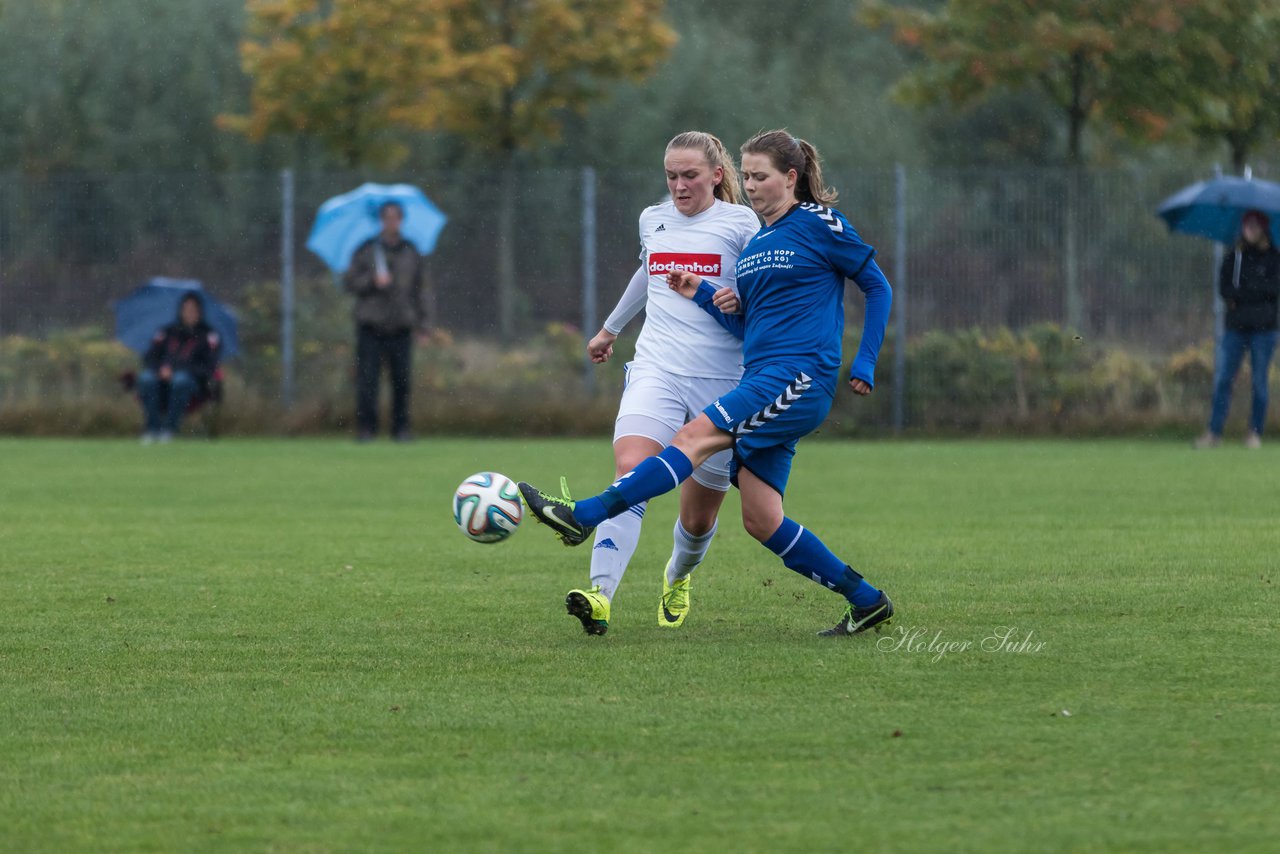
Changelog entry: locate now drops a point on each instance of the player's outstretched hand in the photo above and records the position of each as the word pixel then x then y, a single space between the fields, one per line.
pixel 859 386
pixel 727 301
pixel 600 348
pixel 683 282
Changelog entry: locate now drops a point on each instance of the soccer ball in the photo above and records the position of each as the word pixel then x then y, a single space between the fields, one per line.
pixel 487 507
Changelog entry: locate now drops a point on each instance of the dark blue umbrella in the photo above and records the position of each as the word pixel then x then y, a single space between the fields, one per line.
pixel 155 304
pixel 344 222
pixel 1214 209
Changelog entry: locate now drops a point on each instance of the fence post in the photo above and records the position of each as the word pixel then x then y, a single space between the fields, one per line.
pixel 286 287
pixel 1074 308
pixel 588 272
pixel 900 299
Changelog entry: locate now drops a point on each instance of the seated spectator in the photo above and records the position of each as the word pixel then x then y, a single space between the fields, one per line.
pixel 178 366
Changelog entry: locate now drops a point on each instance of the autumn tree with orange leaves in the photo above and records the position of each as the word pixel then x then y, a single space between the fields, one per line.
pixel 1217 76
pixel 502 74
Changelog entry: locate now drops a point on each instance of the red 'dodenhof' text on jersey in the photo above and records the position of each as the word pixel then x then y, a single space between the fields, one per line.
pixel 678 337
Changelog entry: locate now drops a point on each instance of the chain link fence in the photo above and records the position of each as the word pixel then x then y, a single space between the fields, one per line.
pixel 967 249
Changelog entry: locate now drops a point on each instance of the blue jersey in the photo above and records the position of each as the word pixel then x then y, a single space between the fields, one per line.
pixel 791 279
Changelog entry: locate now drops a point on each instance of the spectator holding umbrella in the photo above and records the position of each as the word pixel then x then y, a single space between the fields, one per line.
pixel 392 300
pixel 1249 283
pixel 375 236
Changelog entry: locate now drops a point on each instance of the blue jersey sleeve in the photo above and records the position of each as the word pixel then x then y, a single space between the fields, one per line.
pixel 735 323
pixel 853 257
pixel 875 287
pixel 846 252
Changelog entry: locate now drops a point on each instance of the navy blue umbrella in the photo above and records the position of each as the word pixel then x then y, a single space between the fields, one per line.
pixel 155 304
pixel 1214 209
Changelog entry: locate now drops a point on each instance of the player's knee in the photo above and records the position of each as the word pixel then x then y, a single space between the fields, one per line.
pixel 698 522
pixel 700 438
pixel 759 523
pixel 627 459
pixel 755 527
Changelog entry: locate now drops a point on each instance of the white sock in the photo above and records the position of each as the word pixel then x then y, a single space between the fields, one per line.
pixel 615 543
pixel 687 551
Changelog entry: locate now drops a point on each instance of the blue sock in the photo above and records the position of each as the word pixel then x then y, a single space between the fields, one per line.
pixel 804 553
pixel 651 478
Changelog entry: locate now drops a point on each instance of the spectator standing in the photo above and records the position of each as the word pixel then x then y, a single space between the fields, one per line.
pixel 392 301
pixel 1249 282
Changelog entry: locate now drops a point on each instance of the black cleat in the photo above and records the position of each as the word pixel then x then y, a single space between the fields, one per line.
pixel 858 620
pixel 555 513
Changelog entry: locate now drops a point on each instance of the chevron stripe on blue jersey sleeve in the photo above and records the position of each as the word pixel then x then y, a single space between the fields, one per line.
pixel 845 251
pixel 830 216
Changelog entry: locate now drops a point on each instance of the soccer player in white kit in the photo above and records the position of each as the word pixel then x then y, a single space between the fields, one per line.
pixel 684 360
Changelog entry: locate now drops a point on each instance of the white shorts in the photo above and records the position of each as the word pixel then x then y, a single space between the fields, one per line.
pixel 656 404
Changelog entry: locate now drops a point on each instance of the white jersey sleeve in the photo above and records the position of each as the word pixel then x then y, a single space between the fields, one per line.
pixel 630 303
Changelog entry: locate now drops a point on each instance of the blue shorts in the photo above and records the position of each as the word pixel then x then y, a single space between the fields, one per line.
pixel 770 410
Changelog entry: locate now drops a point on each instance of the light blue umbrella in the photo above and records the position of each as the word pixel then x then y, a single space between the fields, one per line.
pixel 344 222
pixel 1214 208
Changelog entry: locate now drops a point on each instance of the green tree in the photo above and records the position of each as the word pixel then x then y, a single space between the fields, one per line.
pixel 740 68
pixel 502 74
pixel 1077 54
pixel 1213 77
pixel 133 85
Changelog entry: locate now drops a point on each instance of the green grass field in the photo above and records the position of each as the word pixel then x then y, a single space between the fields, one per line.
pixel 287 645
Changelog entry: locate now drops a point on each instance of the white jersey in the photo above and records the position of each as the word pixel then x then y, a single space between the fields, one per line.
pixel 678 337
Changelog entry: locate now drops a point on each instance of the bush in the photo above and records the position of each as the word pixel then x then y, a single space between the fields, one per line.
pixel 1038 380
pixel 68 384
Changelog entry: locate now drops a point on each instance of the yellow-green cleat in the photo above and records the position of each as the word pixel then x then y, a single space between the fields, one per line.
pixel 675 603
pixel 591 607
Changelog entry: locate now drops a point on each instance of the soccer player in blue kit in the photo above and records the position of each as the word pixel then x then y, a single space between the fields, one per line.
pixel 791 283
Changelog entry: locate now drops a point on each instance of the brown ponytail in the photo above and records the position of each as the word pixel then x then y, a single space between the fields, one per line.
pixel 729 189
pixel 787 152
